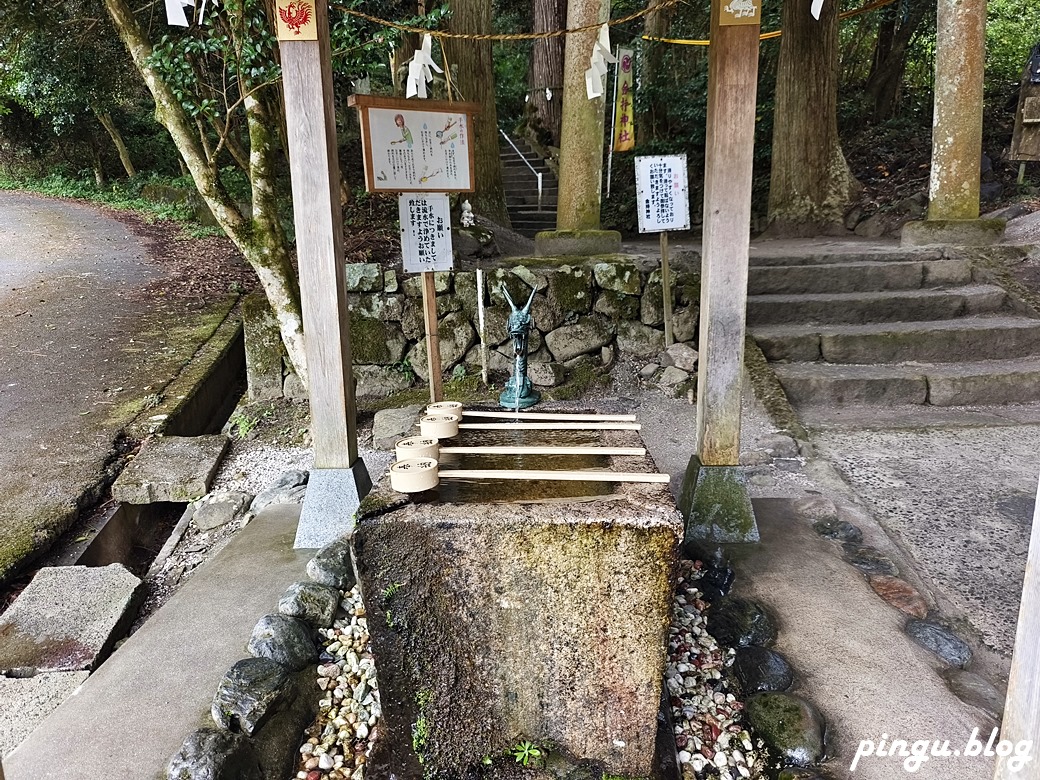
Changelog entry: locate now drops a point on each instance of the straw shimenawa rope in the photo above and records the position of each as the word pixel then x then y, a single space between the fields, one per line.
pixel 502 36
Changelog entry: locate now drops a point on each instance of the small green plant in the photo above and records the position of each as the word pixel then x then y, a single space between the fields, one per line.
pixel 242 424
pixel 526 752
pixel 392 589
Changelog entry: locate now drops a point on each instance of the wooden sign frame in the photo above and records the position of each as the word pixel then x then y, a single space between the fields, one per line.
pixel 364 103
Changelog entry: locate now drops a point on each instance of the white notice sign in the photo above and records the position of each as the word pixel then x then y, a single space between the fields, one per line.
pixel 425 231
pixel 418 150
pixel 662 193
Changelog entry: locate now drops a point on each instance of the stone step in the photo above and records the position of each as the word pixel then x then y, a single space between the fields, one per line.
pixel 979 383
pixel 860 308
pixel 763 255
pixel 867 276
pixel 967 338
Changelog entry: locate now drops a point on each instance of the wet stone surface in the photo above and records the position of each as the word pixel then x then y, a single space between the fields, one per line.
pixel 976 691
pixel 941 641
pixel 868 560
pixel 842 530
pixel 332 566
pixel 738 622
pixel 759 670
pixel 310 601
pixel 286 640
pixel 251 691
pixel 209 754
pixel 791 726
pixel 900 594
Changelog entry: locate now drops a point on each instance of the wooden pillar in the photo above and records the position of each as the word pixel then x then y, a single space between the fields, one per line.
pixel 729 152
pixel 314 167
pixel 581 134
pixel 1022 707
pixel 960 48
pixel 714 498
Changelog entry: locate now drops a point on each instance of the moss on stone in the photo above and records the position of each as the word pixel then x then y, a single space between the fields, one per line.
pixel 570 289
pixel 374 342
pixel 770 392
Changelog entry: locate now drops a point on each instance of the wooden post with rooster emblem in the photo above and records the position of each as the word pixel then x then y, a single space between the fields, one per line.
pixel 339 479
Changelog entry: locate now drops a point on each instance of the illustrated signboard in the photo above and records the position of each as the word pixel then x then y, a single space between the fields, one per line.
pixel 740 12
pixel 662 193
pixel 416 145
pixel 425 231
pixel 296 21
pixel 624 116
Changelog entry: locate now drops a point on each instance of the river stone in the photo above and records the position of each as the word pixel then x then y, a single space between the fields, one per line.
pixel 617 306
pixel 390 284
pixel 842 530
pixel 683 356
pixel 332 565
pixel 941 641
pixel 715 581
pixel 789 725
pixel 380 381
pixel 760 669
pixel 413 284
pixel 286 640
pixel 868 560
pixel 739 622
pixel 620 277
pixel 651 303
pixel 976 691
pixel 289 488
pixel 536 282
pixel 456 337
pixel 634 338
pixel 220 508
pixel 310 601
pixel 364 277
pixel 585 336
pixel 251 692
pixel 391 425
pixel 684 323
pixel 672 377
pixel 546 315
pixel 900 594
pixel 379 306
pixel 211 754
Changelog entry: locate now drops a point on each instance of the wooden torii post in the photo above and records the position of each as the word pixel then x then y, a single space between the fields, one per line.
pixel 339 479
pixel 714 498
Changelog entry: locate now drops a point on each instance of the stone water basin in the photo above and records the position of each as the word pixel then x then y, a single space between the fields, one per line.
pixel 507 611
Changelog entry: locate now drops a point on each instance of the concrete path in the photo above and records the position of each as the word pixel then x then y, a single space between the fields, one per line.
pixel 82 351
pixel 131 716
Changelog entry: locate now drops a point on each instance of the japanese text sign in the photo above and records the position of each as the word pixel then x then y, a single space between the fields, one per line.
pixel 425 232
pixel 624 114
pixel 662 193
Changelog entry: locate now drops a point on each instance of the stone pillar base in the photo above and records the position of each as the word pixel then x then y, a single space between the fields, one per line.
pixel 550 243
pixel 333 496
pixel 953 232
pixel 715 504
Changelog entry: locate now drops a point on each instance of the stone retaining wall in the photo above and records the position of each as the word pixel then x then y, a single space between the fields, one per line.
pixel 583 313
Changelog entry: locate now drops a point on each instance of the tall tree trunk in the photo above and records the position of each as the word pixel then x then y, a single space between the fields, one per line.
pixel 259 238
pixel 547 70
pixel 886 73
pixel 475 81
pixel 810 183
pixel 105 119
pixel 652 70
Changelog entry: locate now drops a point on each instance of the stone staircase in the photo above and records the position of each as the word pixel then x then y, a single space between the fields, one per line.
pixel 889 329
pixel 521 187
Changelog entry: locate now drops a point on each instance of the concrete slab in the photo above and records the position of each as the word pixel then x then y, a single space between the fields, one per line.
pixel 171 468
pixel 849 652
pixel 68 618
pixel 24 702
pixel 132 714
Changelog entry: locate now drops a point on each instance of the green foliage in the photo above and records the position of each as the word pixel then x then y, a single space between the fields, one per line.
pixel 1012 29
pixel 526 753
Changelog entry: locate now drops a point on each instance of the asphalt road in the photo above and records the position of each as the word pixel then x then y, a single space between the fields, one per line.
pixel 81 343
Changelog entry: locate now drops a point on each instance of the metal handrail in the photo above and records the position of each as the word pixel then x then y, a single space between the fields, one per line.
pixel 527 162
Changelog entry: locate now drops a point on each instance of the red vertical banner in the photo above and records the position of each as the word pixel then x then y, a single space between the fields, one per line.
pixel 624 109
